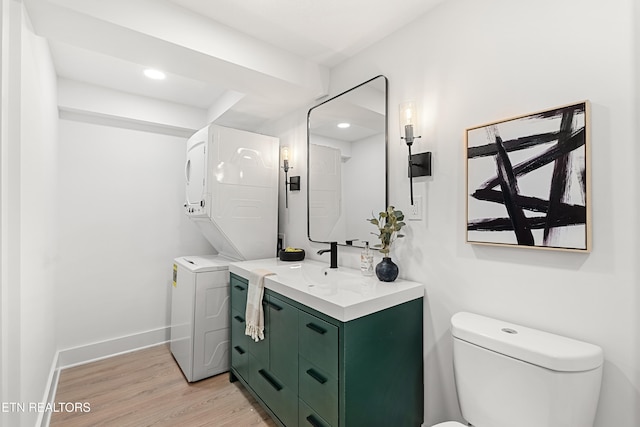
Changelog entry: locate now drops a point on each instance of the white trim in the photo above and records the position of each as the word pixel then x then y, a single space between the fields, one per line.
pixel 10 137
pixel 103 349
pixel 77 115
pixel 49 392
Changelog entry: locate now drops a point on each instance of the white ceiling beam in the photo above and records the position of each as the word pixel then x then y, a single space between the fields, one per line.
pixel 223 104
pixel 181 42
pixel 80 100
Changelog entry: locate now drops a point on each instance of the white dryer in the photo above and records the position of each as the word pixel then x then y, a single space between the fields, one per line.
pixel 232 191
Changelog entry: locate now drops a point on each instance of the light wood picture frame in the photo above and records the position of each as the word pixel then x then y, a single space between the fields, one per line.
pixel 529 180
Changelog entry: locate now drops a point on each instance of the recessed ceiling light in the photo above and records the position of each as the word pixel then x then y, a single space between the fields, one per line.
pixel 154 74
pixel 344 125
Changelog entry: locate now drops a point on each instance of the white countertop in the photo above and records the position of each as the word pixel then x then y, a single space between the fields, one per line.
pixel 346 296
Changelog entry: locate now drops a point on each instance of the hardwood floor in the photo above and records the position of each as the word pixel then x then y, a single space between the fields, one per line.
pixel 147 388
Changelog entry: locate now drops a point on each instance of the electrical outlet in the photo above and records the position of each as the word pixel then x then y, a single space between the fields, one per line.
pixel 415 210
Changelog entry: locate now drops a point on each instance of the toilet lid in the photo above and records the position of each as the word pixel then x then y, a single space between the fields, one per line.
pixel 450 424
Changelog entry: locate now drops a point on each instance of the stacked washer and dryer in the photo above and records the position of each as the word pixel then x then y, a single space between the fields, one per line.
pixel 232 197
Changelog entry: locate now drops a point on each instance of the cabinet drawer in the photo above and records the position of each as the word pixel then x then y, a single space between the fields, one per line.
pixel 280 398
pixel 239 288
pixel 307 417
pixel 318 342
pixel 319 390
pixel 239 347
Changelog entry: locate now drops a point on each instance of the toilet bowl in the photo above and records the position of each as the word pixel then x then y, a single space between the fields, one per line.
pixel 507 375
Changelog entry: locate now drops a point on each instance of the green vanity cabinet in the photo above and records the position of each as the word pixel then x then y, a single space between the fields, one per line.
pixel 313 370
pixel 267 367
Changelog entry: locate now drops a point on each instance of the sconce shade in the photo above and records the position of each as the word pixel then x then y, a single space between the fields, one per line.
pixel 294 183
pixel 419 164
pixel 409 121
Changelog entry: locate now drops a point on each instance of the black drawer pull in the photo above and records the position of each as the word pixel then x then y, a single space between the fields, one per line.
pixel 312 420
pixel 276 307
pixel 316 328
pixel 270 380
pixel 239 319
pixel 239 349
pixel 316 376
pixel 240 288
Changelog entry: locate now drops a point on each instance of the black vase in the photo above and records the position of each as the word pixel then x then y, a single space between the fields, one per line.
pixel 387 270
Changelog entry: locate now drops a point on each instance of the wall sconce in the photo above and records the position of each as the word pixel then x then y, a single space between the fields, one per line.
pixel 294 182
pixel 419 164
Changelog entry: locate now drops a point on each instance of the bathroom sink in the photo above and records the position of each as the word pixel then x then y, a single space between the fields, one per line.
pixel 312 275
pixel 318 279
pixel 321 276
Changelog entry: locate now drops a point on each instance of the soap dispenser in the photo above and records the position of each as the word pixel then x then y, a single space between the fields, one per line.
pixel 366 261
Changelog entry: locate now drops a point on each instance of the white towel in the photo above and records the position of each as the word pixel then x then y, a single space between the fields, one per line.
pixel 254 315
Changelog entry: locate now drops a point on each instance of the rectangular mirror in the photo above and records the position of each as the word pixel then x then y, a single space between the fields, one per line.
pixel 347 164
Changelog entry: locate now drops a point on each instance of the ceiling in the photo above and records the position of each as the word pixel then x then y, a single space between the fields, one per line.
pixel 244 61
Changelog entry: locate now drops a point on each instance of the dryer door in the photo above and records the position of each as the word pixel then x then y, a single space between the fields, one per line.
pixel 195 174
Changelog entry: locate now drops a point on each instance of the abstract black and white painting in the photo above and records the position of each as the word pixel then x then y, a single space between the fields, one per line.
pixel 528 180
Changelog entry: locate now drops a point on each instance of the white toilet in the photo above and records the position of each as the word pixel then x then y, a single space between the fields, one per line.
pixel 508 375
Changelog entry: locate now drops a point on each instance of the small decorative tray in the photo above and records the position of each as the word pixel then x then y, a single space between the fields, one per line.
pixel 293 254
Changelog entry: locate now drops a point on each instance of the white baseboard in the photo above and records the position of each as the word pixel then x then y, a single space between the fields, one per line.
pixel 109 348
pixel 96 351
pixel 50 392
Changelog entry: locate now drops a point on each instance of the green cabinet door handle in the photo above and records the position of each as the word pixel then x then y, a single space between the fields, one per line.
pixel 316 376
pixel 312 420
pixel 276 307
pixel 239 319
pixel 316 328
pixel 240 288
pixel 239 349
pixel 270 379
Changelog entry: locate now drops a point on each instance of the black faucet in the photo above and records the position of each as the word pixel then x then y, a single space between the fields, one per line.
pixel 334 254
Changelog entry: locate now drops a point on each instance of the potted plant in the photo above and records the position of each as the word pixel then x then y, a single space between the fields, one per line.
pixel 389 224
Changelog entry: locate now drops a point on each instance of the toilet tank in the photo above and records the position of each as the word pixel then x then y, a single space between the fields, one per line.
pixel 508 375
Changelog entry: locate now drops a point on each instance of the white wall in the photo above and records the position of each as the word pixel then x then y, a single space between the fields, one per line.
pixel 29 140
pixel 39 148
pixel 470 62
pixel 120 226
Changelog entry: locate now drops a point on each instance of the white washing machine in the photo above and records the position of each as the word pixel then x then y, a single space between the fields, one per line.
pixel 200 315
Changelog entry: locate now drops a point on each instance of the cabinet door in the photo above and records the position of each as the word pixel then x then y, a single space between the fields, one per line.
pixel 260 349
pixel 239 347
pixel 239 288
pixel 274 392
pixel 283 351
